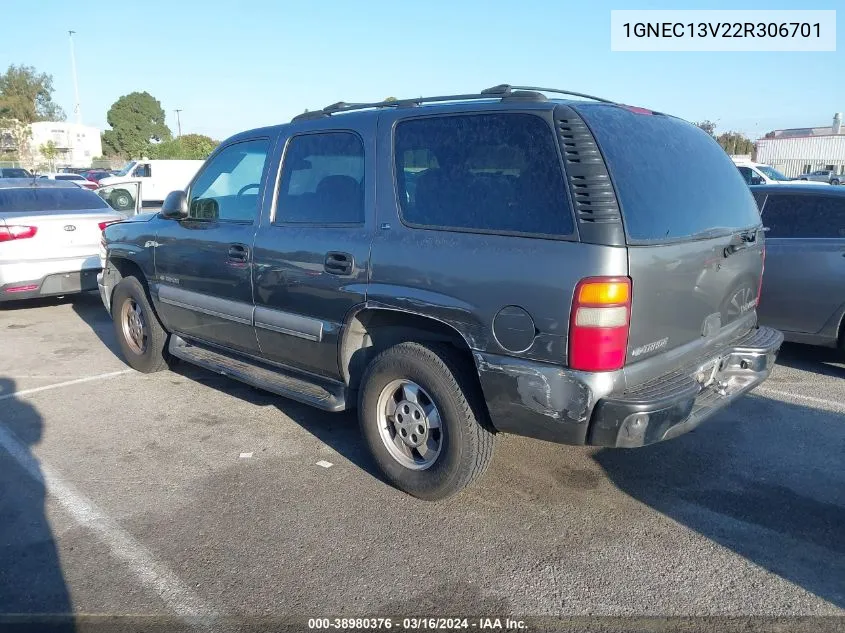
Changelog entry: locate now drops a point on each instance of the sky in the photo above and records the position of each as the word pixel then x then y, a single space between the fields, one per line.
pixel 230 66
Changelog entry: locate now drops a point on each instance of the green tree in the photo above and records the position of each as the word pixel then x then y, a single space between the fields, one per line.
pixel 390 99
pixel 27 96
pixel 735 143
pixel 49 151
pixel 707 126
pixel 187 147
pixel 137 122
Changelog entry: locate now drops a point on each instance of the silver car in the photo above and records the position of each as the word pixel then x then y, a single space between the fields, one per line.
pixel 804 282
pixel 50 233
pixel 823 175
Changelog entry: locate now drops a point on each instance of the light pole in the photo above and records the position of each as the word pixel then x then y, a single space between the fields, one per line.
pixel 76 109
pixel 178 124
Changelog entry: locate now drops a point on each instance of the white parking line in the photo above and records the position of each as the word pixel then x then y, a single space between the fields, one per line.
pixel 149 571
pixel 833 404
pixel 68 383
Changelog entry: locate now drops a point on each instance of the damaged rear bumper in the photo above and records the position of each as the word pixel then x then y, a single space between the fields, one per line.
pixel 560 405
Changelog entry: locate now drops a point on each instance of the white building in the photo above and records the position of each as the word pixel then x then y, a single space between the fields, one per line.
pixel 799 151
pixel 77 144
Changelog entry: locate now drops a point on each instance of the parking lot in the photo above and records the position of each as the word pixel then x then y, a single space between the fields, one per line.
pixel 183 493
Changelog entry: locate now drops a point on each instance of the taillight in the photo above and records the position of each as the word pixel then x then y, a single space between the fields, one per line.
pixel 9 233
pixel 598 327
pixel 103 225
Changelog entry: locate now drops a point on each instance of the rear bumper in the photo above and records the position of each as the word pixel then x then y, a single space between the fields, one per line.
pixel 677 403
pixel 569 407
pixel 54 284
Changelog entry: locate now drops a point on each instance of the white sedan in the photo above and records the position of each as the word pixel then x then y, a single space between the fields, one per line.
pixel 74 178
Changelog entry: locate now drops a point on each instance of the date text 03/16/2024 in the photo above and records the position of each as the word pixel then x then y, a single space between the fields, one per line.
pixel 417 624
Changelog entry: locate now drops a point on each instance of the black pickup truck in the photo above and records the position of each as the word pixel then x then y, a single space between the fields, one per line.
pixel 573 270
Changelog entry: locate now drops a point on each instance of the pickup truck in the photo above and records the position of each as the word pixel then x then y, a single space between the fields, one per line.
pixel 456 267
pixel 823 175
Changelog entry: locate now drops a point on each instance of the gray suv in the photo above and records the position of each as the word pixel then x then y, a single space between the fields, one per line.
pixel 573 270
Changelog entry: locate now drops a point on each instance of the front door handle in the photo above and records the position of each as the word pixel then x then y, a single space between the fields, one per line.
pixel 238 252
pixel 339 263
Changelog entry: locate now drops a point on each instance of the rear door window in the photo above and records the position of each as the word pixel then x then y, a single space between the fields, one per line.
pixel 805 216
pixel 673 181
pixel 491 173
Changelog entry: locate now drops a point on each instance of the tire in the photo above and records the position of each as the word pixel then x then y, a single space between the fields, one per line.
pixel 121 200
pixel 145 353
pixel 464 436
pixel 835 181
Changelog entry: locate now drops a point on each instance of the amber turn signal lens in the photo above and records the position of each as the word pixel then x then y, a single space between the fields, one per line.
pixel 604 293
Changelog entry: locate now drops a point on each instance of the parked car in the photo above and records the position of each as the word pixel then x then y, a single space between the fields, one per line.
pixel 513 289
pixel 159 177
pixel 96 175
pixel 76 179
pixel 760 174
pixel 50 234
pixel 14 172
pixel 804 285
pixel 823 175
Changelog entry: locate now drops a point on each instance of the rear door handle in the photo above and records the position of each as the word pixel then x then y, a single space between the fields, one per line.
pixel 339 263
pixel 238 252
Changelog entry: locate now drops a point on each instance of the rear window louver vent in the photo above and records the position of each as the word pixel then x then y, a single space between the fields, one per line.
pixel 592 191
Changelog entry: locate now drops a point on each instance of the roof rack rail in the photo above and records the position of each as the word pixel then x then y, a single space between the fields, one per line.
pixel 502 91
pixel 505 89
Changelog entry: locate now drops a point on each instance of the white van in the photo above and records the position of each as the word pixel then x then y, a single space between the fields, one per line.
pixel 157 177
pixel 761 174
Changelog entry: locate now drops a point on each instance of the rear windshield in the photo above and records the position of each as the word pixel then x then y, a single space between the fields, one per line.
pixel 14 172
pixel 673 181
pixel 49 199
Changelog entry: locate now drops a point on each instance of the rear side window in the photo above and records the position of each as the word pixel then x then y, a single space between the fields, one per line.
pixel 673 181
pixel 791 215
pixel 497 173
pixel 14 172
pixel 53 199
pixel 322 180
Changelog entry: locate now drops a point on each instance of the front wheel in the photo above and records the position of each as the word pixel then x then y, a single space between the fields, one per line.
pixel 424 420
pixel 835 181
pixel 141 337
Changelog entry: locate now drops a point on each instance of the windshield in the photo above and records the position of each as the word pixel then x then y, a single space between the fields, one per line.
pixel 771 172
pixel 126 168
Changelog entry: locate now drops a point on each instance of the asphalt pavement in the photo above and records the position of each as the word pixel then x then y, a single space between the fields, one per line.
pixel 186 495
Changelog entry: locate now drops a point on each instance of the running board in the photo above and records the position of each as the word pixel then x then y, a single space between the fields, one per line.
pixel 323 394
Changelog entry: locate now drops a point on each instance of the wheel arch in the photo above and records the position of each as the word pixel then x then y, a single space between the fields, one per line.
pixel 370 330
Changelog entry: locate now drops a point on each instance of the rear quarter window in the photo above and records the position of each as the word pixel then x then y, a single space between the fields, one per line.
pixel 490 173
pixel 672 180
pixel 49 199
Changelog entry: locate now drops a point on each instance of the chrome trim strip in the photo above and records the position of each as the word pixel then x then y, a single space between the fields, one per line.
pixel 187 306
pixel 289 323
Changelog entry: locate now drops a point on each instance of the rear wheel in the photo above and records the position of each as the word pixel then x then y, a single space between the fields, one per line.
pixel 424 420
pixel 835 181
pixel 141 337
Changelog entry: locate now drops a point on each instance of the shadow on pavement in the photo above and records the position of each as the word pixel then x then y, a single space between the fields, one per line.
pixel 339 431
pixel 764 478
pixel 89 307
pixel 31 580
pixel 818 360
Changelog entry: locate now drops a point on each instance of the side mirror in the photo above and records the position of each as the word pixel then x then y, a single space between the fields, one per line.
pixel 175 206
